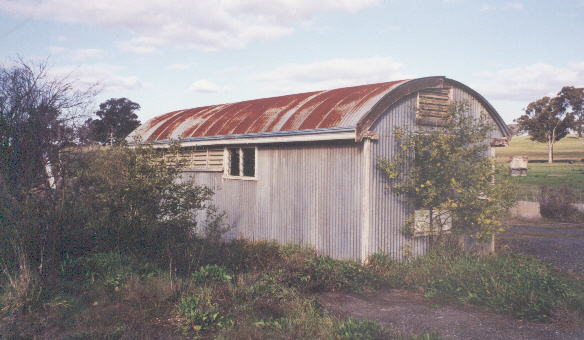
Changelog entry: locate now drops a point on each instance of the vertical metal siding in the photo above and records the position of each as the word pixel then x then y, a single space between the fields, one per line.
pixel 390 211
pixel 475 107
pixel 308 194
pixel 311 193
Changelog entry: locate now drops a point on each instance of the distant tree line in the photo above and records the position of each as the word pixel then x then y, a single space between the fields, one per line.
pixel 550 119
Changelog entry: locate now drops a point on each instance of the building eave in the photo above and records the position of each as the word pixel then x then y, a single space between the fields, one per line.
pixel 312 135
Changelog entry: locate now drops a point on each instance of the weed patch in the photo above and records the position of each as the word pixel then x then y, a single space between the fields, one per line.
pixel 558 204
pixel 513 284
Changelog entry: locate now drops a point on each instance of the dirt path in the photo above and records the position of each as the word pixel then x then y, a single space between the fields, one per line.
pixel 409 313
pixel 559 244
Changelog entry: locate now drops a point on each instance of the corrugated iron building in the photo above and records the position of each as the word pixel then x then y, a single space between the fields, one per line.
pixel 302 168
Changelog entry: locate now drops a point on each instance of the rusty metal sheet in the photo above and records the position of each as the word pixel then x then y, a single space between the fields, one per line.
pixel 314 110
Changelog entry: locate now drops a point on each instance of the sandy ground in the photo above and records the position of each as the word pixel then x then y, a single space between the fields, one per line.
pixel 559 244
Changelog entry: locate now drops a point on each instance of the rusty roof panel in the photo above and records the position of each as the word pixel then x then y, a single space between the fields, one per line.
pixel 306 111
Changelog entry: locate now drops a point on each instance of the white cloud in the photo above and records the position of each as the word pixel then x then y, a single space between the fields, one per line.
pixel 106 75
pixel 201 24
pixel 329 74
pixel 206 86
pixel 529 82
pixel 180 67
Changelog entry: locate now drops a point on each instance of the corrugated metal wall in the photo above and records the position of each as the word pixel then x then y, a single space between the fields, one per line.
pixel 389 211
pixel 475 107
pixel 312 193
pixel 307 194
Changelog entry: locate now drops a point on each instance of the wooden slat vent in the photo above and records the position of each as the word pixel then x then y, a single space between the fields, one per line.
pixel 433 106
pixel 197 159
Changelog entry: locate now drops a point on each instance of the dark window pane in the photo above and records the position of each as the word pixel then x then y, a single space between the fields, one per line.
pixel 249 162
pixel 234 162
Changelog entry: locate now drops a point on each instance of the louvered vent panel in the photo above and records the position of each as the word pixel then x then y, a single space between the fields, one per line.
pixel 433 106
pixel 215 158
pixel 199 159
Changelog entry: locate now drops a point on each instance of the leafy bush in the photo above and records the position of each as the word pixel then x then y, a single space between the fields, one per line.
pixel 304 269
pixel 558 204
pixel 111 267
pixel 445 170
pixel 211 273
pixel 200 313
pixel 353 328
pixel 130 199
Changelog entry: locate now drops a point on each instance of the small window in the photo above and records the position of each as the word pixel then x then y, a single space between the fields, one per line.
pixel 234 161
pixel 242 162
pixel 248 162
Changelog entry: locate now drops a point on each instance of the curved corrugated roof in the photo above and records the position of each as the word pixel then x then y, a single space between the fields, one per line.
pixel 352 107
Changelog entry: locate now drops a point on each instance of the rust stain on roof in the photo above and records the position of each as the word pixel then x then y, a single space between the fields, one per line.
pixel 314 110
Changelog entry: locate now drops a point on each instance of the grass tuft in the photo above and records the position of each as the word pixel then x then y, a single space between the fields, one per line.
pixel 513 284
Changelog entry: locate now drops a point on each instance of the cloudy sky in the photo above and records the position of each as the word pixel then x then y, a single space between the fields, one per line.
pixel 178 54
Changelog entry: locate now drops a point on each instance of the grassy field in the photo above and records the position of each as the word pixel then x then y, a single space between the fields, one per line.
pixel 540 172
pixel 568 148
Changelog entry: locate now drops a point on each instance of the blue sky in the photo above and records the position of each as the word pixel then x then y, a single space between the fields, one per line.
pixel 178 54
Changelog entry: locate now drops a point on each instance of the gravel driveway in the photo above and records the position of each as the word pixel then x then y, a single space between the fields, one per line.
pixel 561 244
pixel 411 314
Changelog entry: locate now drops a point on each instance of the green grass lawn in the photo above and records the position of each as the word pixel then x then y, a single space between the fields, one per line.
pixel 568 148
pixel 540 172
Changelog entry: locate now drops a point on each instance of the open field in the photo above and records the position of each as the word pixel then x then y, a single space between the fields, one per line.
pixel 568 148
pixel 540 173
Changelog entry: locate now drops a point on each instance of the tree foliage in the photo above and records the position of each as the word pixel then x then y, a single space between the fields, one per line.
pixel 573 99
pixel 37 120
pixel 117 119
pixel 447 171
pixel 117 198
pixel 548 120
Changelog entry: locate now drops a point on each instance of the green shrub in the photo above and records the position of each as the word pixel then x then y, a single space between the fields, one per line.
pixel 353 329
pixel 311 273
pixel 112 269
pixel 200 313
pixel 211 273
pixel 558 204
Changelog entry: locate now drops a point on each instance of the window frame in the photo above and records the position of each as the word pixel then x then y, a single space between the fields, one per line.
pixel 227 163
